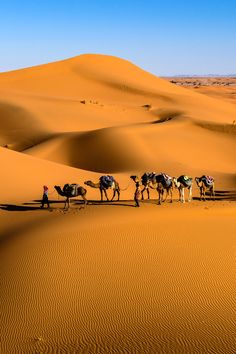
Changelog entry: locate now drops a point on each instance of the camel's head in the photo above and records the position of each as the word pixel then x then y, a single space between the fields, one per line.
pixel 135 178
pixel 87 183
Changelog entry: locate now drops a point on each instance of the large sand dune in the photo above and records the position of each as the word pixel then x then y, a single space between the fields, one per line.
pixel 111 278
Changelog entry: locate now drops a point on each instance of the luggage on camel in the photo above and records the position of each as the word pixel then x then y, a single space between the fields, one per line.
pixel 147 176
pixel 185 180
pixel 166 179
pixel 106 181
pixel 70 189
pixel 208 180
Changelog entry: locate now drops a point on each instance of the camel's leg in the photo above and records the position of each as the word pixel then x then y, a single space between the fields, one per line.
pixel 213 193
pixel 200 193
pixel 183 198
pixel 114 193
pixel 66 203
pixel 190 194
pixel 85 200
pixel 164 199
pixel 167 193
pixel 101 194
pixel 148 193
pixel 142 191
pixel 181 194
pixel 171 195
pixel 118 194
pixel 160 195
pixel 179 190
pixel 105 192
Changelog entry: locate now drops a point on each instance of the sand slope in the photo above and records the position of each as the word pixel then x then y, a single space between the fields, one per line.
pixel 119 280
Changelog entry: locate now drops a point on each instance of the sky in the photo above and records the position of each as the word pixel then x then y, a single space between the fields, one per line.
pixel 164 37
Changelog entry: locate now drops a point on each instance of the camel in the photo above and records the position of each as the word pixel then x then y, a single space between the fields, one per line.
pixel 158 182
pixel 162 182
pixel 205 183
pixel 146 180
pixel 103 188
pixel 181 183
pixel 71 191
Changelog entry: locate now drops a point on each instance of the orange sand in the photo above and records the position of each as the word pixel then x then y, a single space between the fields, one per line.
pixel 112 278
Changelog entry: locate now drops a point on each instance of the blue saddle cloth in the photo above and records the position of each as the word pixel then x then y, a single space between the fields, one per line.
pixel 147 176
pixel 185 180
pixel 166 180
pixel 208 180
pixel 107 181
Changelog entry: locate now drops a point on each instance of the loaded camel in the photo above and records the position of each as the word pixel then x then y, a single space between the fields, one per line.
pixel 71 191
pixel 106 182
pixel 183 182
pixel 146 180
pixel 206 183
pixel 161 182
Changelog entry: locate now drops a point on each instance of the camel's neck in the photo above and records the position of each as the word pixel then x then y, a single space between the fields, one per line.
pixel 93 185
pixel 59 191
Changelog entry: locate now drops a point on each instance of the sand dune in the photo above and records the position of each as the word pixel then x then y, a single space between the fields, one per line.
pixel 111 278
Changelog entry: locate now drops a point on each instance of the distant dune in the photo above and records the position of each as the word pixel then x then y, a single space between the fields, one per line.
pixel 112 278
pixel 160 125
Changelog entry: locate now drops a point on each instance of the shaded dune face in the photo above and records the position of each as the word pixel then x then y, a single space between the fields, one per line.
pixel 19 129
pixel 105 150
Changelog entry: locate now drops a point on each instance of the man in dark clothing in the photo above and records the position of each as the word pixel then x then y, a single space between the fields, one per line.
pixel 137 194
pixel 45 197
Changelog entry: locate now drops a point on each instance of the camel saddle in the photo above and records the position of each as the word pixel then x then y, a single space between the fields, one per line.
pixel 107 181
pixel 208 180
pixel 185 180
pixel 70 189
pixel 147 176
pixel 166 179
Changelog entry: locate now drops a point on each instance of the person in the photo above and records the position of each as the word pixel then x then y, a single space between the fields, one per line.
pixel 45 197
pixel 137 194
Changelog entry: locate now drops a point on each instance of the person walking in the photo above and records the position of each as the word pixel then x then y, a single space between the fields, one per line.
pixel 137 194
pixel 45 197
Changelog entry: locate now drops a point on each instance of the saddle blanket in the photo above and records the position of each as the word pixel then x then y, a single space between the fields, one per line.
pixel 107 181
pixel 71 188
pixel 167 178
pixel 208 179
pixel 186 180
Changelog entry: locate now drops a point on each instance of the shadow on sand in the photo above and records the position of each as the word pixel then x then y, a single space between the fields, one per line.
pixel 220 196
pixel 28 206
pixel 35 204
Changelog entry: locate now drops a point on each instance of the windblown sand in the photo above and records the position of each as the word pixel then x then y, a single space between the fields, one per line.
pixel 111 278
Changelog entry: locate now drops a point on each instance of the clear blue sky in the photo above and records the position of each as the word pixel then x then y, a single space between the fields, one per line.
pixel 163 37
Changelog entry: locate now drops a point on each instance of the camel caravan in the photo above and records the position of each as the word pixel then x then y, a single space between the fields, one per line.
pixel 161 182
